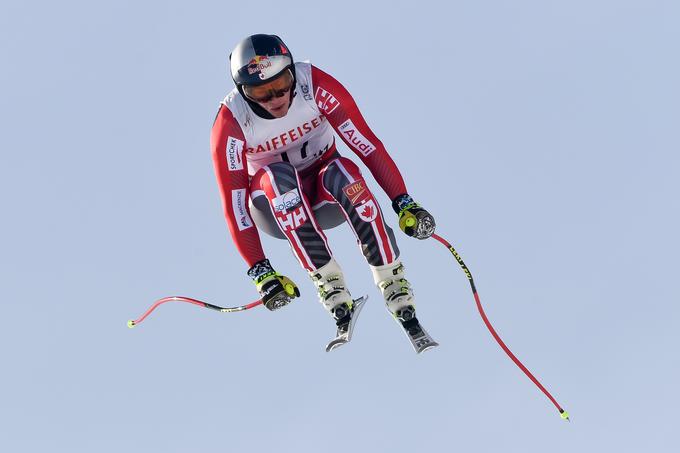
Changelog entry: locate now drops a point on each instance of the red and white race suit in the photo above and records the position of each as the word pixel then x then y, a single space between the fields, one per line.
pixel 294 158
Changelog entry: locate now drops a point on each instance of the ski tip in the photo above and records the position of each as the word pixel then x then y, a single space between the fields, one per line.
pixel 335 344
pixel 428 347
pixel 565 415
pixel 131 324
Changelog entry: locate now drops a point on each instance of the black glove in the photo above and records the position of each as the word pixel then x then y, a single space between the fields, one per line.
pixel 413 220
pixel 275 289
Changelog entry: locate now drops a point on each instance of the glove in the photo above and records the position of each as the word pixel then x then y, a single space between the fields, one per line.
pixel 413 220
pixel 275 289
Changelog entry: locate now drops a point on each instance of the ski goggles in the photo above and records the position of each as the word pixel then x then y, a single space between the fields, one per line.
pixel 274 89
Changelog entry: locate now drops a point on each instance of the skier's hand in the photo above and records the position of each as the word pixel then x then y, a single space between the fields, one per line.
pixel 275 289
pixel 413 220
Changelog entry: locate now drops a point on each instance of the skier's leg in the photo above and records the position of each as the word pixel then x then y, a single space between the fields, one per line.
pixel 341 180
pixel 262 215
pixel 280 184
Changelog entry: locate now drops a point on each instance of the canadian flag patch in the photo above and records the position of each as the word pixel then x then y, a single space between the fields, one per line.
pixel 367 211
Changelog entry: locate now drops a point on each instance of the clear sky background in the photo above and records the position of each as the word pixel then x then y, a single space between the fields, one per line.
pixel 543 136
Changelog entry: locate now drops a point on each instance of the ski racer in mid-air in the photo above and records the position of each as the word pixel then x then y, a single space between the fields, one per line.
pixel 278 169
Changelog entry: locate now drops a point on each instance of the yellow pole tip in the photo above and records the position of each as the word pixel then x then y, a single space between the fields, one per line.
pixel 131 324
pixel 564 415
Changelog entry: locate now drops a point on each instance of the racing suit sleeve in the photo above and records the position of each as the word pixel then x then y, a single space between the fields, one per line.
pixel 228 147
pixel 339 108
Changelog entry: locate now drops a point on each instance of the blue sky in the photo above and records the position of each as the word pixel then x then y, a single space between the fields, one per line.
pixel 543 136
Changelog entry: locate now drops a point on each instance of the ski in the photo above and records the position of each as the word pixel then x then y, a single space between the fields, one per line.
pixel 344 332
pixel 417 335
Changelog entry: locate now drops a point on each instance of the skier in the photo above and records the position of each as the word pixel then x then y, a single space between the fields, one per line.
pixel 279 171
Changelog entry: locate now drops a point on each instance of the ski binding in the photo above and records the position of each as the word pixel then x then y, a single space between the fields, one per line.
pixel 419 338
pixel 344 333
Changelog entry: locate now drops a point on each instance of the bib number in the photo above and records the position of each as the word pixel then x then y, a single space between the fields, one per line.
pixel 299 158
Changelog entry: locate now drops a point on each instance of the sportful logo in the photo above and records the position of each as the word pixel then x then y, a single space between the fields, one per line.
pixel 234 149
pixel 352 135
pixel 238 205
pixel 325 101
pixel 287 201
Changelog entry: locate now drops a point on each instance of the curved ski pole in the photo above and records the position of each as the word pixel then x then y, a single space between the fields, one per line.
pixel 563 413
pixel 200 303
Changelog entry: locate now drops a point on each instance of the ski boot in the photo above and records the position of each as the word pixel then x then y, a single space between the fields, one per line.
pixel 335 298
pixel 398 295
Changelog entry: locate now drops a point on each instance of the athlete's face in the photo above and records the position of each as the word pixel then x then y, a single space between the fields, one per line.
pixel 273 96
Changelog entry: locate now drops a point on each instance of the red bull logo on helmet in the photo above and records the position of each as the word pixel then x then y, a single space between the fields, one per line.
pixel 258 64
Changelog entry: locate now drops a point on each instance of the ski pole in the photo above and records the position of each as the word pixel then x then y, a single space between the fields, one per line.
pixel 132 323
pixel 564 414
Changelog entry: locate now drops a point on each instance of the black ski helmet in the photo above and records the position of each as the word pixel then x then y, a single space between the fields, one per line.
pixel 259 59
